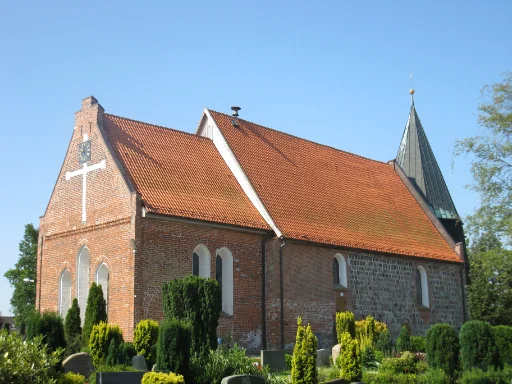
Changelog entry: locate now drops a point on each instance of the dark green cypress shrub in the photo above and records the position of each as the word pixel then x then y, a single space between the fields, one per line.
pixel 384 343
pixel 503 336
pixel 443 348
pixel 345 323
pixel 72 328
pixel 197 300
pixel 173 347
pixel 478 345
pixel 32 325
pixel 129 351
pixel 50 326
pixel 115 355
pixel 403 342
pixel 95 312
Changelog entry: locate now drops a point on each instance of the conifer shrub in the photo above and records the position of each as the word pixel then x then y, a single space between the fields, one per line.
pixel 443 348
pixel 478 345
pixel 503 335
pixel 116 354
pixel 129 351
pixel 95 312
pixel 173 347
pixel 418 344
pixel 345 323
pixel 73 329
pixel 102 335
pixel 378 326
pixel 350 363
pixel 403 342
pixel 407 363
pixel 198 301
pixel 384 343
pixel 145 338
pixel 304 356
pixel 48 325
pixel 162 378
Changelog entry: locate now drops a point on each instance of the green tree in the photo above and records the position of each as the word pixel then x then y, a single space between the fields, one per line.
pixel 490 292
pixel 492 161
pixel 95 312
pixel 24 295
pixel 403 342
pixel 72 328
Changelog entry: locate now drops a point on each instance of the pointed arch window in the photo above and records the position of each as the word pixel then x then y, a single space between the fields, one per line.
pixel 224 275
pixel 201 261
pixel 82 281
pixel 340 264
pixel 102 278
pixel 64 292
pixel 422 287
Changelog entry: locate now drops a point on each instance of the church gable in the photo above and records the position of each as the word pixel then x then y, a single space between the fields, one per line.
pixel 90 188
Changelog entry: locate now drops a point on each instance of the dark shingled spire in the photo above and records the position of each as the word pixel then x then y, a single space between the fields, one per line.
pixel 416 158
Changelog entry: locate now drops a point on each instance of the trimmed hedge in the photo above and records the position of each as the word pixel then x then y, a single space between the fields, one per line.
pixel 50 326
pixel 345 323
pixel 491 376
pixel 173 347
pixel 102 335
pixel 478 346
pixel 503 336
pixel 96 311
pixel 145 338
pixel 198 301
pixel 443 348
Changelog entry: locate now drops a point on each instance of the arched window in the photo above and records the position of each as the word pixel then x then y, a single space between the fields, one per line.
pixel 64 292
pixel 335 271
pixel 224 274
pixel 102 279
pixel 342 270
pixel 82 281
pixel 421 287
pixel 201 261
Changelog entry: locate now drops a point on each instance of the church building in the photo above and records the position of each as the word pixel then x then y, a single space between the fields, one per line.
pixel 287 226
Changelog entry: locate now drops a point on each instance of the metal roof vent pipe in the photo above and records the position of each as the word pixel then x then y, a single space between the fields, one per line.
pixel 234 120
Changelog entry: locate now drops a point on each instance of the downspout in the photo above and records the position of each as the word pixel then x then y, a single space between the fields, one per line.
pixel 40 273
pixel 281 289
pixel 263 296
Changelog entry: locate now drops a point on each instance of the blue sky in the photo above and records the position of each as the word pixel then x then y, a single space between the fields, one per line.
pixel 335 72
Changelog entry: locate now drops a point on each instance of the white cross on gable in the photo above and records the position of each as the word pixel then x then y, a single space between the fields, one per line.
pixel 85 169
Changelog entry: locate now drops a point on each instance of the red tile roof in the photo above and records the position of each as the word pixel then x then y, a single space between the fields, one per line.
pixel 324 195
pixel 179 174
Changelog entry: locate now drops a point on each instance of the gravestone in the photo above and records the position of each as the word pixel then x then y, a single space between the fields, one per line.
pixel 79 363
pixel 139 363
pixel 335 353
pixel 119 377
pixel 243 379
pixel 338 381
pixel 275 360
pixel 322 357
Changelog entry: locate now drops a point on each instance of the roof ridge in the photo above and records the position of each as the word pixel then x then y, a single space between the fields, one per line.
pixel 306 140
pixel 157 126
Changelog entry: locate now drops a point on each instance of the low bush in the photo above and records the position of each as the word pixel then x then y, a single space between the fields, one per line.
pixel 162 378
pixel 434 376
pixel 403 342
pixel 491 376
pixel 478 346
pixel 378 327
pixel 288 360
pixel 102 335
pixel 173 347
pixel 407 363
pixel 24 362
pixel 431 376
pixel 345 323
pixel 212 368
pixel 418 344
pixel 443 348
pixel 70 378
pixel 145 338
pixel 503 336
pixel 116 354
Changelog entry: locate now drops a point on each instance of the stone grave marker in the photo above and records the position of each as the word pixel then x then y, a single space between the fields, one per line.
pixel 322 357
pixel 139 363
pixel 79 363
pixel 243 379
pixel 275 360
pixel 335 353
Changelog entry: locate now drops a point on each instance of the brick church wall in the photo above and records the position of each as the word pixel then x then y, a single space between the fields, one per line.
pixel 106 232
pixel 164 252
pixel 378 285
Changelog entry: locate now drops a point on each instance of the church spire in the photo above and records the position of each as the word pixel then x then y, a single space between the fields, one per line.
pixel 416 158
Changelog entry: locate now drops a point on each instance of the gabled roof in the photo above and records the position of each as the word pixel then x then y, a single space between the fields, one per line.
pixel 324 195
pixel 179 174
pixel 416 158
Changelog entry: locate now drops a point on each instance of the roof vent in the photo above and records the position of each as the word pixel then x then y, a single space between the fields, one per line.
pixel 235 110
pixel 234 120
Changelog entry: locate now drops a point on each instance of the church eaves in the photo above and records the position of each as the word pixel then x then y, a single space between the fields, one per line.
pixel 417 160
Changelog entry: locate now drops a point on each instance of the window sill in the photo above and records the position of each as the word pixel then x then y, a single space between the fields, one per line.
pixel 339 287
pixel 422 308
pixel 225 315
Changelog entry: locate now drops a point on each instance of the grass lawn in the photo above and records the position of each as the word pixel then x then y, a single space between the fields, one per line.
pixel 323 374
